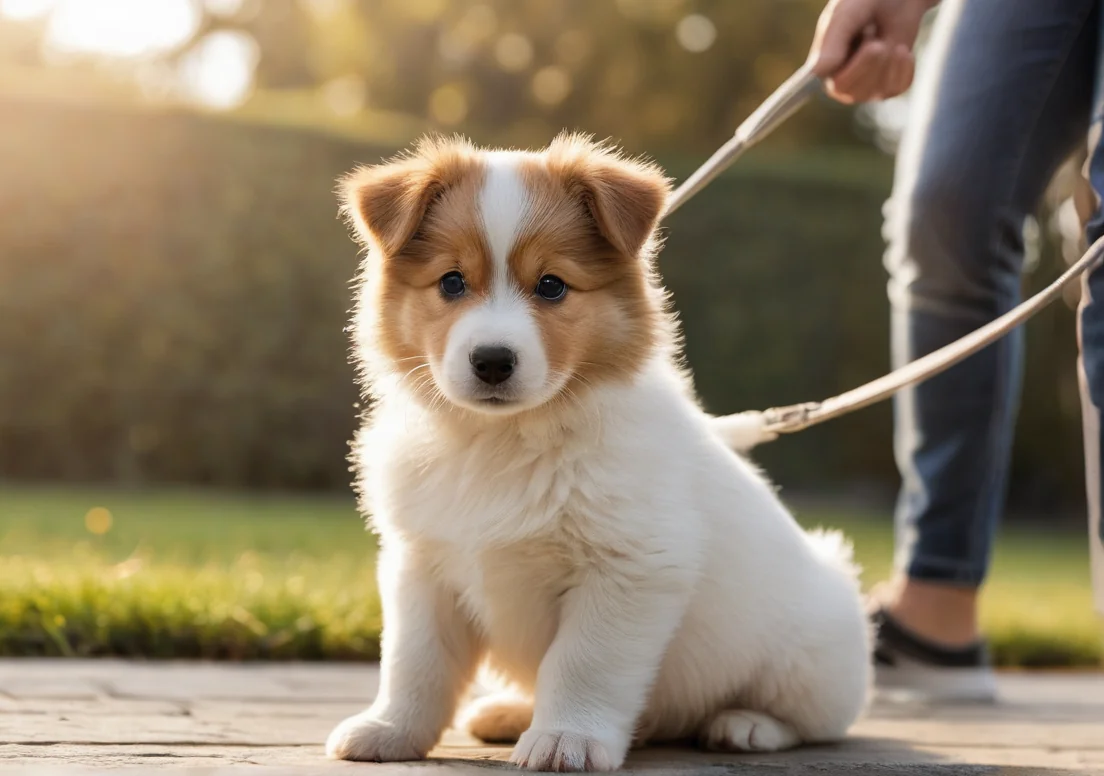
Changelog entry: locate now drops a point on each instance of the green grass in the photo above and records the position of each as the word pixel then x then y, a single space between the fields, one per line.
pixel 216 575
pixel 182 574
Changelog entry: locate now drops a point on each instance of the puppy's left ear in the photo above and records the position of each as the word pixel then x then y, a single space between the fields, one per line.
pixel 626 197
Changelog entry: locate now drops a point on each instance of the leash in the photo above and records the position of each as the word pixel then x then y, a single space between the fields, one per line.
pixel 786 100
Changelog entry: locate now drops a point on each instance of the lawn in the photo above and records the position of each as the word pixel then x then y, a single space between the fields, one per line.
pixel 242 576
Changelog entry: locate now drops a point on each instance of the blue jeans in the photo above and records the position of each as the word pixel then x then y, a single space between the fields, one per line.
pixel 1005 94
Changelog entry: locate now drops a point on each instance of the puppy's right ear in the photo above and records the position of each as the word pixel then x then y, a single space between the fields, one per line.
pixel 387 202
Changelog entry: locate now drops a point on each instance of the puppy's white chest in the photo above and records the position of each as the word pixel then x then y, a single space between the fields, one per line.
pixel 488 495
pixel 512 595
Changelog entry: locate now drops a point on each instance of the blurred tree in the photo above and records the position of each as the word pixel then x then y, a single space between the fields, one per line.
pixel 174 285
pixel 658 75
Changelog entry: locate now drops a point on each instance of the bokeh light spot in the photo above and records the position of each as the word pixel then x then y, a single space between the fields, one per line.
pixel 513 52
pixel 98 520
pixel 345 95
pixel 551 85
pixel 448 104
pixel 696 33
pixel 218 71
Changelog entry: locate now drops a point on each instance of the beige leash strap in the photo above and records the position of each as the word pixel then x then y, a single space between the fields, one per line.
pixel 787 420
pixel 785 101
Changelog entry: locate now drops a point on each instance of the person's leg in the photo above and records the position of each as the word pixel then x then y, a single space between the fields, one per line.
pixel 1090 337
pixel 1003 96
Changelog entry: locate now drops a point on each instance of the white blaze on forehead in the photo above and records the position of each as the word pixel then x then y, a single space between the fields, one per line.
pixel 503 207
pixel 505 317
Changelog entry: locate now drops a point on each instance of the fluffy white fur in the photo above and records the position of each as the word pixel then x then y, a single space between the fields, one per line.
pixel 625 575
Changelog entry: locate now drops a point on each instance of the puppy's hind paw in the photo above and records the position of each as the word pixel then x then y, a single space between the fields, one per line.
pixel 735 730
pixel 498 719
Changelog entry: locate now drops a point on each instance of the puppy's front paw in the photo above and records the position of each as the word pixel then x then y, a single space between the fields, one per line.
pixel 367 738
pixel 560 750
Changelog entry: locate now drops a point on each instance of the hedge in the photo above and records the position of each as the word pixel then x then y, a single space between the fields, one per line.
pixel 174 288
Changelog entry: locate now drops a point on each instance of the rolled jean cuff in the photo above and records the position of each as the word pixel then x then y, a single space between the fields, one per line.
pixel 945 572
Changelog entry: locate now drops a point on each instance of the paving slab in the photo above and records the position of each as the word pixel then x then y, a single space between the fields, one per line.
pixel 80 716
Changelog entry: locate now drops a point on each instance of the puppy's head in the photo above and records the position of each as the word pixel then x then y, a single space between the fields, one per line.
pixel 499 281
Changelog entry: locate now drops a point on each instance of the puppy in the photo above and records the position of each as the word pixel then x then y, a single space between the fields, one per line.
pixel 552 503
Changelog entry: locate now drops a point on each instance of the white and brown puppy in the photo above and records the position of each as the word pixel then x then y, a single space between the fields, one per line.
pixel 552 503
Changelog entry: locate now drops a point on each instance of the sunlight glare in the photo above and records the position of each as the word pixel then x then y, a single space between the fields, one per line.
pixel 121 28
pixel 22 10
pixel 218 72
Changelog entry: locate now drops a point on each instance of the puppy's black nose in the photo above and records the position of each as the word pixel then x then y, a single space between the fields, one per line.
pixel 493 364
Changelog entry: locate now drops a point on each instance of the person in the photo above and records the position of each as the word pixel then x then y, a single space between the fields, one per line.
pixel 1007 90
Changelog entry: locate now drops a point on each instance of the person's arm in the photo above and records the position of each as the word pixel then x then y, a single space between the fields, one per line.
pixel 863 48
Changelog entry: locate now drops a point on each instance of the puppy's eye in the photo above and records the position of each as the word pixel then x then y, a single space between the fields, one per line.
pixel 452 285
pixel 551 288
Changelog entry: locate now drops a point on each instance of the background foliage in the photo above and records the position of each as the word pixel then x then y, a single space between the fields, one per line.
pixel 174 282
pixel 175 288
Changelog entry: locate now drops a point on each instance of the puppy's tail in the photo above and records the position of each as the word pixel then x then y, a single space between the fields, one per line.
pixel 835 549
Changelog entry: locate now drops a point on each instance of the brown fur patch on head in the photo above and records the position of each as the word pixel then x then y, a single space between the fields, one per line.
pixel 419 216
pixel 625 196
pixel 592 217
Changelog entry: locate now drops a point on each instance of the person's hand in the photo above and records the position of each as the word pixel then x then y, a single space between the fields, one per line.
pixel 863 48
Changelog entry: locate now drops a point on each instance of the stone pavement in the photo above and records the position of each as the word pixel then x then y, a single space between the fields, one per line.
pixel 74 716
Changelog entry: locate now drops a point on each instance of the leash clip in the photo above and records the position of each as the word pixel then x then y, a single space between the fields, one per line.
pixel 787 420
